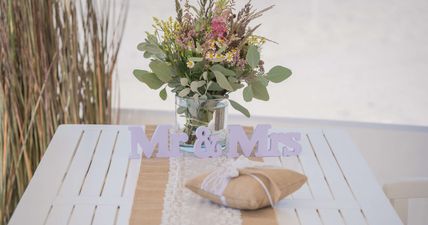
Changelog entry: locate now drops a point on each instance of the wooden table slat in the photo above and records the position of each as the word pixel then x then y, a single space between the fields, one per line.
pixel 59 215
pixel 119 165
pixel 95 177
pixel 79 166
pixel 105 215
pixel 331 216
pixel 375 206
pixel 311 168
pixel 82 214
pixel 332 171
pixel 35 204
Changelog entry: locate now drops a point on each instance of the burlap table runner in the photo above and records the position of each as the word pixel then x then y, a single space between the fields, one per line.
pixel 149 194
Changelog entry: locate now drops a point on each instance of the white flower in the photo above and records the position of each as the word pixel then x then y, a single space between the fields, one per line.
pixel 229 57
pixel 190 64
pixel 210 55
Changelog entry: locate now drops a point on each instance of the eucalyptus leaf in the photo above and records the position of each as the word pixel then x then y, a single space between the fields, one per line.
pixel 153 49
pixel 222 80
pixel 184 92
pixel 196 59
pixel 142 46
pixel 259 90
pixel 150 79
pixel 162 70
pixel 201 83
pixel 278 74
pixel 152 38
pixel 248 93
pixel 235 83
pixel 196 84
pixel 205 75
pixel 239 108
pixel 253 56
pixel 173 84
pixel 220 68
pixel 199 66
pixel 162 94
pixel 147 55
pixel 264 81
pixel 237 86
pixel 213 86
pixel 184 81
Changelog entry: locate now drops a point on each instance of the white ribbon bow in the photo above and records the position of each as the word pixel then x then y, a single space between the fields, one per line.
pixel 217 181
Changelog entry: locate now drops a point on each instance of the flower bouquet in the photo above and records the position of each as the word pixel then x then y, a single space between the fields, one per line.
pixel 208 51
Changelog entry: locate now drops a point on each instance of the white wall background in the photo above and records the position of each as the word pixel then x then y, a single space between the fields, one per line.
pixel 359 60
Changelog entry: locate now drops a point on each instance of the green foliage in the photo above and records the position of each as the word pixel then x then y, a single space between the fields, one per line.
pixel 259 90
pixel 196 59
pixel 213 86
pixel 148 78
pixel 278 74
pixel 151 47
pixel 184 92
pixel 162 94
pixel 222 80
pixel 220 68
pixel 239 108
pixel 253 56
pixel 248 93
pixel 162 70
pixel 195 85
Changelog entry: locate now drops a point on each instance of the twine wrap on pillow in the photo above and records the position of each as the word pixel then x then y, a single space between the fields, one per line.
pixel 246 184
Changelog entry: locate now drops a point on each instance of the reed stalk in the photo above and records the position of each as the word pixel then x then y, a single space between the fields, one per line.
pixel 57 65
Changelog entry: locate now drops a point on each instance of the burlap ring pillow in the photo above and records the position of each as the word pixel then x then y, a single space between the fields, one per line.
pixel 246 192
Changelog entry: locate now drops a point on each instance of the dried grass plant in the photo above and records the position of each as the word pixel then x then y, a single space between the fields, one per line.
pixel 57 64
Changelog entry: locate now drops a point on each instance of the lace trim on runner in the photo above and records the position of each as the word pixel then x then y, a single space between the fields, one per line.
pixel 183 207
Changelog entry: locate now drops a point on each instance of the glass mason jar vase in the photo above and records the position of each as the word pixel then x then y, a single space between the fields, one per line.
pixel 192 113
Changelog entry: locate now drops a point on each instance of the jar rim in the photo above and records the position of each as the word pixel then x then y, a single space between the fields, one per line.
pixel 211 99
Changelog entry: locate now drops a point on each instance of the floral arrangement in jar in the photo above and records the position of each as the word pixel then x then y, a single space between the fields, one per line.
pixel 208 51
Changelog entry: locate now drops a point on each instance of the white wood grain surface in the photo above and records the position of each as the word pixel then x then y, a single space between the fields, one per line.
pixel 86 178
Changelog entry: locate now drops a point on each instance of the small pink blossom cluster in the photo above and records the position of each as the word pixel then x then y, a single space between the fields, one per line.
pixel 219 27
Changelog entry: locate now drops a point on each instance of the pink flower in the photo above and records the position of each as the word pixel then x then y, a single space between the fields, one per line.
pixel 218 26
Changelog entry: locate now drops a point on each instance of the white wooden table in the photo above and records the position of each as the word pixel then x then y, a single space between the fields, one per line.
pixel 86 177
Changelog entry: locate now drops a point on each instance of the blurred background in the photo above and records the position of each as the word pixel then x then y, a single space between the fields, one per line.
pixel 351 60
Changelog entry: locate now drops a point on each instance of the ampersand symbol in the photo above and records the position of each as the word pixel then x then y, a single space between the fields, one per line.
pixel 211 148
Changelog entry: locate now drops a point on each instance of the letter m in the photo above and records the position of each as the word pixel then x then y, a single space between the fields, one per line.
pixel 237 136
pixel 138 138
